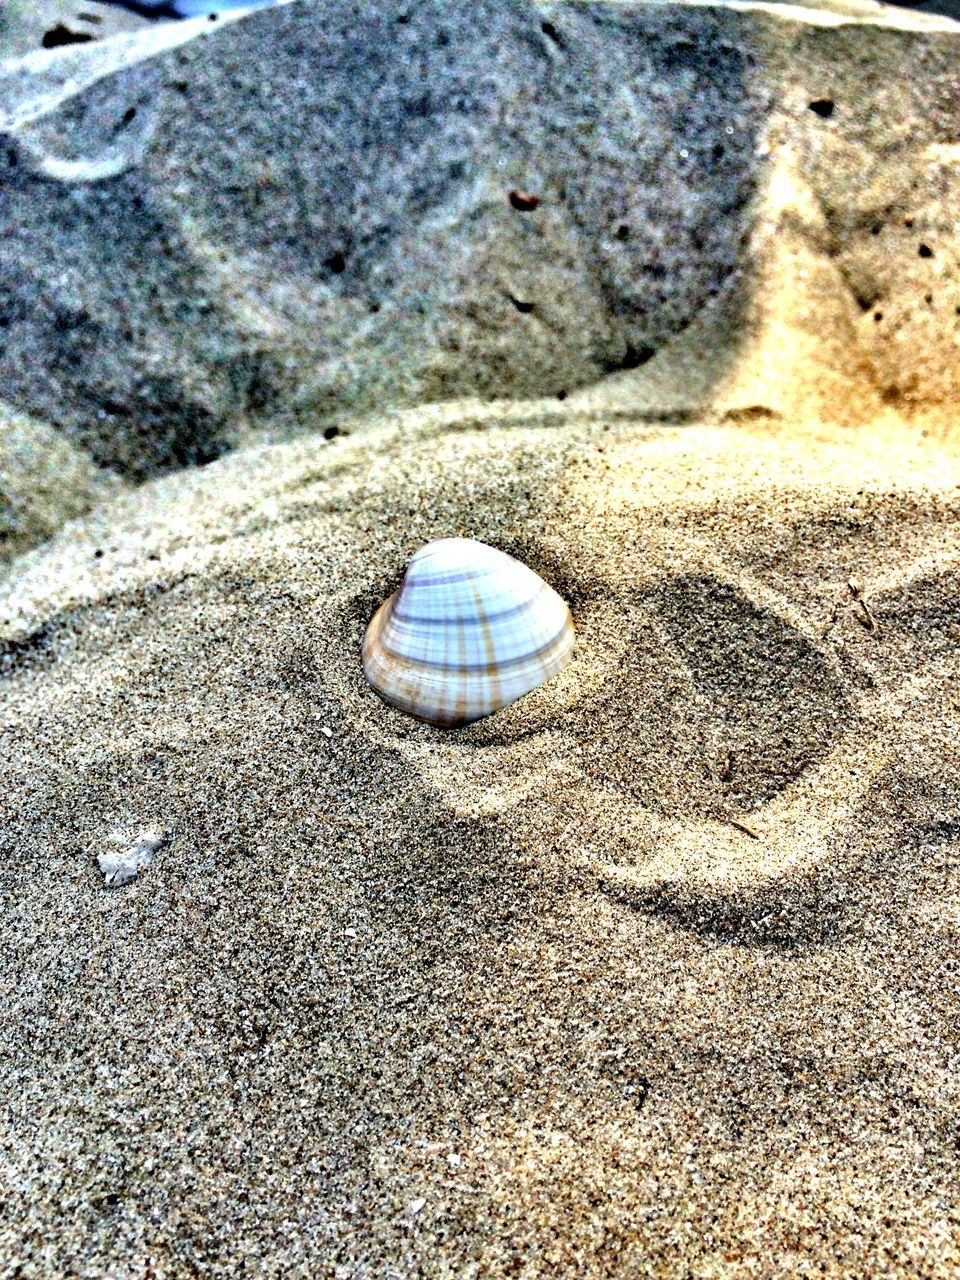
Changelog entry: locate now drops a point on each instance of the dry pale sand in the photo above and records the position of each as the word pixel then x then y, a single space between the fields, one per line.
pixel 652 974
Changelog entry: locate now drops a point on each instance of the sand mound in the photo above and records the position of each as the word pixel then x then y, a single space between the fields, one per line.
pixel 257 225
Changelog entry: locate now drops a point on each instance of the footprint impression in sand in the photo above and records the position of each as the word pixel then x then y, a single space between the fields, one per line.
pixel 722 741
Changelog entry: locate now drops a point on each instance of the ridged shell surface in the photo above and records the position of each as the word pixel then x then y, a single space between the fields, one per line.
pixel 470 631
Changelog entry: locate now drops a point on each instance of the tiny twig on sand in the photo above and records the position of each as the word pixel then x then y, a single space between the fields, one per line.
pixel 865 617
pixel 742 826
pixel 862 611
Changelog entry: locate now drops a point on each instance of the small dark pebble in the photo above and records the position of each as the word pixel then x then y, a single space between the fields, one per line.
pixel 925 251
pixel 524 202
pixel 60 35
pixel 822 107
pixel 330 433
pixel 635 356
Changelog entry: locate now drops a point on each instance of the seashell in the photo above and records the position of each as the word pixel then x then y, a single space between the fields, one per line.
pixel 470 631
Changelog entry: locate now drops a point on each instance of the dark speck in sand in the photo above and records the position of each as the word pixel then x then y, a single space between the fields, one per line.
pixel 336 263
pixel 60 35
pixel 522 306
pixel 331 433
pixel 925 251
pixel 636 356
pixel 523 202
pixel 632 358
pixel 822 107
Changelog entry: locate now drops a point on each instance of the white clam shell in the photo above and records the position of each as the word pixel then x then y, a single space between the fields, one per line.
pixel 470 631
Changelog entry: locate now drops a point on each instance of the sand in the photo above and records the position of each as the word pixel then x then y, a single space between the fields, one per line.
pixel 652 974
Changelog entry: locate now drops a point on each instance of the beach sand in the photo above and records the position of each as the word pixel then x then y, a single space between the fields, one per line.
pixel 653 973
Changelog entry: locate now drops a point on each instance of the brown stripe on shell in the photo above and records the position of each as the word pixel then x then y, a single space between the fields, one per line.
pixel 446 690
pixel 473 668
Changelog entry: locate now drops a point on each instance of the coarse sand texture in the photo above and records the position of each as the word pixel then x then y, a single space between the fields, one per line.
pixel 652 974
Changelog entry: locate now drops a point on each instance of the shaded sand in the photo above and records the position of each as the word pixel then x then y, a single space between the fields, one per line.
pixel 529 998
pixel 253 226
pixel 25 23
pixel 44 481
